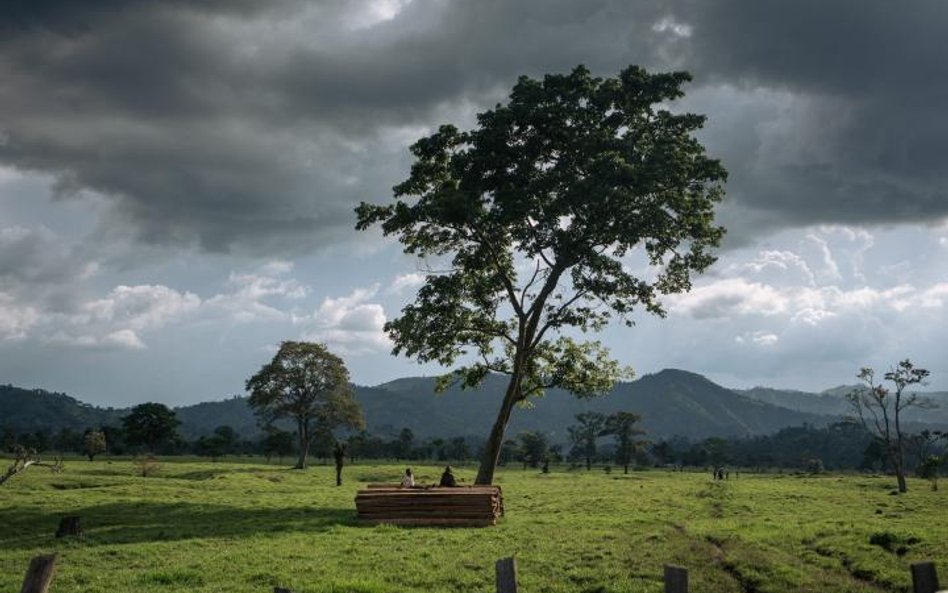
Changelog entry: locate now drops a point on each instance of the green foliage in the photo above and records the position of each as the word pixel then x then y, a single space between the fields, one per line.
pixel 928 469
pixel 150 424
pixel 567 178
pixel 93 443
pixel 584 433
pixel 534 448
pixel 308 384
pixel 622 425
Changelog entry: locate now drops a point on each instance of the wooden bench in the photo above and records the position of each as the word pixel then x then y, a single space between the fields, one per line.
pixel 464 506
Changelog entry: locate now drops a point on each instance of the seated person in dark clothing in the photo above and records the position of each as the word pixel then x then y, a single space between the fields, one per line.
pixel 447 478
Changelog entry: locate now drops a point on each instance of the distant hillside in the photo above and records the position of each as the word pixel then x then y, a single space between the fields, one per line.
pixel 34 409
pixel 833 402
pixel 671 402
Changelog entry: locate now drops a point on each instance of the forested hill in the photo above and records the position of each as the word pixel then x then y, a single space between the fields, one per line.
pixel 671 402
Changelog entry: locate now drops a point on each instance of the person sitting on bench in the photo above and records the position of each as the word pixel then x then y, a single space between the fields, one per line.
pixel 447 478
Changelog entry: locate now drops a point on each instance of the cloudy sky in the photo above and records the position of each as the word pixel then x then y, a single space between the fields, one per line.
pixel 177 179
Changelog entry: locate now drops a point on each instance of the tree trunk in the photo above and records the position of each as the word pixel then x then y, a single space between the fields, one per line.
pixel 304 445
pixel 588 463
pixel 625 466
pixel 485 473
pixel 900 476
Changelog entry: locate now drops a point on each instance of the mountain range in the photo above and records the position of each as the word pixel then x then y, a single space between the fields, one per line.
pixel 671 402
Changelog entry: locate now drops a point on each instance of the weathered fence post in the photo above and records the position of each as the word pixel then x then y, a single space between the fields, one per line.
pixel 39 575
pixel 69 526
pixel 924 578
pixel 506 575
pixel 676 579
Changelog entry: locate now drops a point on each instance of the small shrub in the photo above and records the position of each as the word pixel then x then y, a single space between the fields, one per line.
pixel 147 467
pixel 893 542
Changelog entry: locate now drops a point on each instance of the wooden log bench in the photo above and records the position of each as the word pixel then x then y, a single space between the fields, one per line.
pixel 463 506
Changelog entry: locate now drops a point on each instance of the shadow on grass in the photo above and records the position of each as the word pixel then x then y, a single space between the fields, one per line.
pixel 137 522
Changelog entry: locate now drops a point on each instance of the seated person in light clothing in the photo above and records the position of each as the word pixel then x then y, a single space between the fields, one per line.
pixel 409 480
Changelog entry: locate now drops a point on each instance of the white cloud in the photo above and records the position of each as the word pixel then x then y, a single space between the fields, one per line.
pixel 729 297
pixel 245 301
pixel 349 324
pixel 759 338
pixel 140 307
pixel 404 282
pixel 16 319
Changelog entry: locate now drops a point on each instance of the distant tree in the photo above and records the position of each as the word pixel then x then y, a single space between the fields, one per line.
pixel 309 384
pixel 880 409
pixel 93 443
pixel 9 440
pixel 227 437
pixel 718 451
pixel 814 465
pixel 339 454
pixel 923 443
pixel 508 452
pixel 663 452
pixel 114 439
pixel 150 424
pixel 209 446
pixel 584 433
pixel 534 448
pixel 323 442
pixel 928 469
pixel 276 442
pixel 67 440
pixel 621 425
pixel 457 449
pixel 406 439
pixel 567 178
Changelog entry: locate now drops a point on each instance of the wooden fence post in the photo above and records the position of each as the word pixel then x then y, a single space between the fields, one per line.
pixel 39 575
pixel 506 575
pixel 676 579
pixel 69 526
pixel 924 578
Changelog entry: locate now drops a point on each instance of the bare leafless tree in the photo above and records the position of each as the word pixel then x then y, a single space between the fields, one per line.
pixel 880 408
pixel 24 458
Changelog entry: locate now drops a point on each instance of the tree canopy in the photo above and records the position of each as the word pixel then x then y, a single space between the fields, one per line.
pixel 150 424
pixel 308 384
pixel 527 221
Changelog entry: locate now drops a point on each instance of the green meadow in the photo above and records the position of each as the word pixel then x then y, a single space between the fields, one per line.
pixel 247 527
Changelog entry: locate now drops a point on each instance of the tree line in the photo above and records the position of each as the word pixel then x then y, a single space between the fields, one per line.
pixel 593 441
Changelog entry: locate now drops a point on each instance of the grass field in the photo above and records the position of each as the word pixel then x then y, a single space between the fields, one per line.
pixel 242 527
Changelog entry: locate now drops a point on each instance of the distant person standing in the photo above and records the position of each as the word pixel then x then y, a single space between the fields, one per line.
pixel 447 478
pixel 409 480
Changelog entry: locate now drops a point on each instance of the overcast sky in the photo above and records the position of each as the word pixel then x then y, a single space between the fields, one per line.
pixel 177 180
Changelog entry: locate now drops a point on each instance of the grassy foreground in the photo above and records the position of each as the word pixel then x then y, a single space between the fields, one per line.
pixel 247 527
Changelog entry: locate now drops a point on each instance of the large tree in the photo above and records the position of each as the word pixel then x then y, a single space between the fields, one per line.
pixel 622 425
pixel 528 219
pixel 584 433
pixel 309 384
pixel 880 408
pixel 150 424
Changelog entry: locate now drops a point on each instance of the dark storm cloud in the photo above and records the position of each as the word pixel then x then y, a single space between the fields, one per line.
pixel 257 126
pixel 877 71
